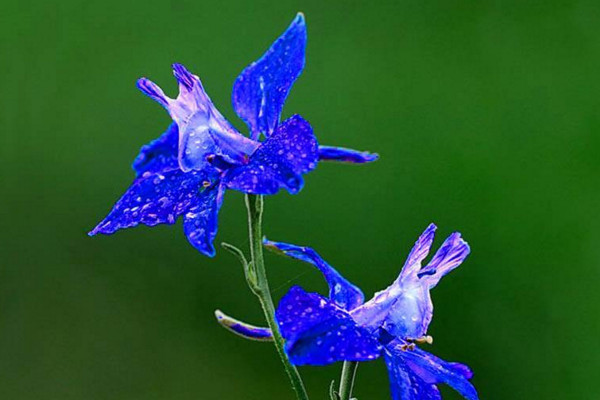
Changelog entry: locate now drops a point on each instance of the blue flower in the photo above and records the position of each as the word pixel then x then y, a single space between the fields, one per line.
pixel 341 327
pixel 186 171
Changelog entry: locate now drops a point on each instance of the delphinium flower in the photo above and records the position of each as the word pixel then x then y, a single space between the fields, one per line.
pixel 186 171
pixel 322 330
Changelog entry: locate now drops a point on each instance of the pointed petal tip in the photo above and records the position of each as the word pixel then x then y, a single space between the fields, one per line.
pixel 272 246
pixel 449 256
pixel 295 184
pixel 143 84
pixel 206 249
pixel 211 252
pixel 346 155
pixel 153 91
pixel 183 76
pixel 365 157
pixel 464 243
pixel 101 228
pixel 370 157
pixel 458 240
pixel 462 369
pixel 243 329
pixel 428 234
pixel 467 247
pixel 300 18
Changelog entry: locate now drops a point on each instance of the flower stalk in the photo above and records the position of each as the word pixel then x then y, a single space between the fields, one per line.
pixel 254 204
pixel 347 380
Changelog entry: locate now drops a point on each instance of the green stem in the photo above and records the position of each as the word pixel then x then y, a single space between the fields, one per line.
pixel 347 379
pixel 254 204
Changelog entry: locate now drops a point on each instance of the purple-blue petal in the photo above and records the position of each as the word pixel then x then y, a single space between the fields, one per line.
pixel 415 373
pixel 153 198
pixel 203 131
pixel 200 219
pixel 153 91
pixel 411 312
pixel 318 332
pixel 279 162
pixel 160 155
pixel 406 385
pixel 244 329
pixel 404 308
pixel 418 253
pixel 451 254
pixel 341 154
pixel 341 291
pixel 254 333
pixel 260 90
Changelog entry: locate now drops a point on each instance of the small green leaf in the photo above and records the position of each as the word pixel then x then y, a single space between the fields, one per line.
pixel 333 395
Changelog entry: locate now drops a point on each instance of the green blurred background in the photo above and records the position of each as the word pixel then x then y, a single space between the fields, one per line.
pixel 485 115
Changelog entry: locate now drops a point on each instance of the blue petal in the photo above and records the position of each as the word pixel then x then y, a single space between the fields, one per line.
pixel 200 220
pixel 405 385
pixel 153 199
pixel 341 292
pixel 451 254
pixel 418 253
pixel 203 131
pixel 412 310
pixel 341 154
pixel 261 89
pixel 244 329
pixel 160 155
pixel 404 308
pixel 279 161
pixel 415 373
pixel 317 332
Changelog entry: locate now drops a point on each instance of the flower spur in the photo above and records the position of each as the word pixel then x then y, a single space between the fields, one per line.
pixel 186 171
pixel 341 327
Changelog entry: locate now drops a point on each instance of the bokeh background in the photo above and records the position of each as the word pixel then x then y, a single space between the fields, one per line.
pixel 486 118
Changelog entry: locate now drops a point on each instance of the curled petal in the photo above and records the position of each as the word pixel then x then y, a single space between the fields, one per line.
pixel 200 219
pixel 160 155
pixel 153 199
pixel 341 291
pixel 318 332
pixel 451 254
pixel 414 374
pixel 153 91
pixel 418 253
pixel 203 131
pixel 279 162
pixel 243 329
pixel 341 154
pixel 404 307
pixel 261 89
